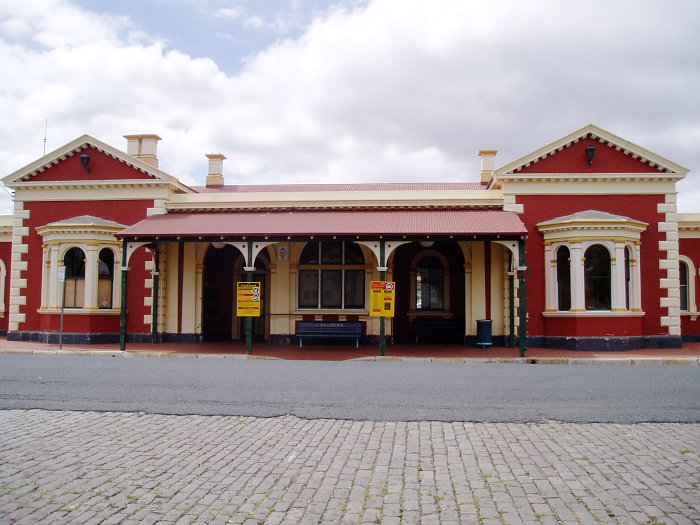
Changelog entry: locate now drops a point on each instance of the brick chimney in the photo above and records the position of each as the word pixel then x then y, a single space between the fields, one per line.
pixel 215 176
pixel 488 157
pixel 143 147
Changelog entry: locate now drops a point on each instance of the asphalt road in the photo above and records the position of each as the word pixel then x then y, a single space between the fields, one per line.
pixel 355 390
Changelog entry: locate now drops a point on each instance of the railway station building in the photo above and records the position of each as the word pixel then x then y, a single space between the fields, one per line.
pixel 577 245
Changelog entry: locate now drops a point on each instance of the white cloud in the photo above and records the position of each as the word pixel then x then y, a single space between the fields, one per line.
pixel 396 90
pixel 234 13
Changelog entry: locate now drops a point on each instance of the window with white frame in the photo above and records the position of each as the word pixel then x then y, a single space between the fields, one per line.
pixel 79 264
pixel 593 263
pixel 331 276
pixel 687 285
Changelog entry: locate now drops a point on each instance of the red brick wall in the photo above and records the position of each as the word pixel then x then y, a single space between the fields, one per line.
pixel 573 160
pixel 691 249
pixel 102 167
pixel 539 208
pixel 42 213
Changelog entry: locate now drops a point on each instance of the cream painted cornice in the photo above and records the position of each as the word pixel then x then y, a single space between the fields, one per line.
pixel 580 178
pixel 334 200
pixel 591 221
pixel 97 184
pixel 688 222
pixel 663 165
pixel 23 175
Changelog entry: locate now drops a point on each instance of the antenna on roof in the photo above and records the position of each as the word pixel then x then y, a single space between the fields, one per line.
pixel 46 128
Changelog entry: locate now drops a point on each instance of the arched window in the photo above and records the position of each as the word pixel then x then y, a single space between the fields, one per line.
pixel 683 267
pixel 74 291
pixel 628 276
pixel 564 278
pixel 105 278
pixel 597 278
pixel 331 276
pixel 430 284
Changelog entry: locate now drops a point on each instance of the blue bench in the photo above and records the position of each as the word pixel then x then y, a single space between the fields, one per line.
pixel 346 330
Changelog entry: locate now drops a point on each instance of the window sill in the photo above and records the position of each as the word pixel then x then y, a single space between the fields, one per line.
pixel 596 313
pixel 326 311
pixel 693 315
pixel 441 314
pixel 79 311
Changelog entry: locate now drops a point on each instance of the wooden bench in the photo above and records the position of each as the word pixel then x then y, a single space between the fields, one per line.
pixel 437 329
pixel 347 330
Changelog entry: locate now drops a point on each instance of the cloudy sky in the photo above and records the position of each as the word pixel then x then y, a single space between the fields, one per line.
pixel 348 90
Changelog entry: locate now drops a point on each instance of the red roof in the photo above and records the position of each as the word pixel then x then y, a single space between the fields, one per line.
pixel 334 222
pixel 369 186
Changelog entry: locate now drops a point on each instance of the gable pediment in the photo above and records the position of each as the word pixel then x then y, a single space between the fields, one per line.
pixel 105 164
pixel 611 155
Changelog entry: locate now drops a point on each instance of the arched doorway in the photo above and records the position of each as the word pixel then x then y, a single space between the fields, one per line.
pixel 430 293
pixel 218 293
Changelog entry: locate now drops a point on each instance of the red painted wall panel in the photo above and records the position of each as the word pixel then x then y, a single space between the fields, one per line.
pixel 539 208
pixel 41 213
pixel 691 249
pixel 593 326
pixel 102 167
pixel 573 160
pixel 6 257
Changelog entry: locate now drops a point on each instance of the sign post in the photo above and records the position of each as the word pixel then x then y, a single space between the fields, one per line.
pixel 382 300
pixel 62 280
pixel 248 306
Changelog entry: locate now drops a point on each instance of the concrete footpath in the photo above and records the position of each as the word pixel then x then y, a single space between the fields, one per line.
pixel 116 468
pixel 689 354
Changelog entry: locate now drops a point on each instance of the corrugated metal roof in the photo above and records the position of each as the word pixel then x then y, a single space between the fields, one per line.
pixel 335 222
pixel 377 186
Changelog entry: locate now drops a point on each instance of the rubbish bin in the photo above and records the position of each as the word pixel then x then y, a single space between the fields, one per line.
pixel 483 332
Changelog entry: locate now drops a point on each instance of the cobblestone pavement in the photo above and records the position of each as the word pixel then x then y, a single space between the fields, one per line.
pixel 90 468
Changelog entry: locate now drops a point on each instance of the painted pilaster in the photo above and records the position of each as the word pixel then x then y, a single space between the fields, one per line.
pixel 498 308
pixel 619 300
pixel 170 286
pixel 199 286
pixel 670 283
pixel 478 291
pixel 91 267
pixel 636 282
pixel 53 299
pixel 281 291
pixel 148 285
pixel 552 284
pixel 189 289
pixel 578 293
pixel 468 315
pixel 18 283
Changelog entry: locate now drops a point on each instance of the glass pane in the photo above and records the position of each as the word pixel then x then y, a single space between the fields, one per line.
pixel 309 254
pixel 564 278
pixel 308 288
pixel 436 292
pixel 74 261
pixel 104 292
pixel 684 285
pixel 69 292
pixel 354 288
pixel 430 284
pixel 627 277
pixel 353 254
pixel 331 252
pixel 331 288
pixel 597 278
pixel 106 268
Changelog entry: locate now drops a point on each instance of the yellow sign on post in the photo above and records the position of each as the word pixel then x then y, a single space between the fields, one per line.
pixel 248 300
pixel 382 297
